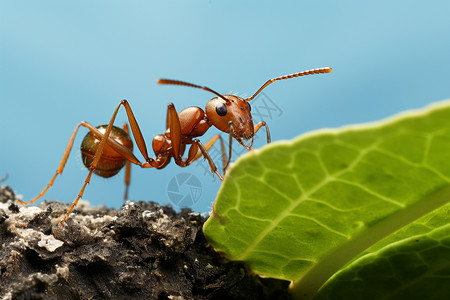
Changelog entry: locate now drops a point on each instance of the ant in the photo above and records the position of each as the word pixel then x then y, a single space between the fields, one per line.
pixel 106 149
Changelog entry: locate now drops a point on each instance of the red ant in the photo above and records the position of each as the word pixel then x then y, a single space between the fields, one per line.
pixel 107 149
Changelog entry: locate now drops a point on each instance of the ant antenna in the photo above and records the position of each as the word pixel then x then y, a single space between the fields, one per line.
pixel 309 72
pixel 177 82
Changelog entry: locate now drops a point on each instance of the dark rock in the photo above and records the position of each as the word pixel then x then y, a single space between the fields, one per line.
pixel 6 194
pixel 141 251
pixel 3 216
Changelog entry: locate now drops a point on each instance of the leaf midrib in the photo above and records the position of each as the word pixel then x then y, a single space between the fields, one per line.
pixel 307 286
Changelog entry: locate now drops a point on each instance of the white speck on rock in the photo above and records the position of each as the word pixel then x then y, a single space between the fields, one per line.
pixel 147 214
pixel 49 242
pixel 172 297
pixel 62 271
pixel 26 235
pixel 5 206
pixel 29 212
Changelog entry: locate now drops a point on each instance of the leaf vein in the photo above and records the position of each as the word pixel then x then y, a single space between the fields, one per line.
pixel 321 225
pixel 371 192
pixel 303 197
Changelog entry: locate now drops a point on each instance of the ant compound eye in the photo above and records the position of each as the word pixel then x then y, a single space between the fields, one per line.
pixel 221 109
pixel 249 107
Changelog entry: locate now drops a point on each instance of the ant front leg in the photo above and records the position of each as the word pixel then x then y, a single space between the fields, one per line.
pixel 261 124
pixel 255 130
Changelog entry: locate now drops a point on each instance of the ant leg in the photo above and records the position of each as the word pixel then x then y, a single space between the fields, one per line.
pixel 194 149
pixel 116 146
pixel 193 152
pixel 127 167
pixel 138 137
pixel 80 194
pixel 261 124
pixel 137 134
pixel 175 130
pixel 175 137
pixel 104 138
pixel 231 124
pixel 208 145
pixel 122 150
pixel 119 148
pixel 256 128
pixel 86 182
pixel 60 168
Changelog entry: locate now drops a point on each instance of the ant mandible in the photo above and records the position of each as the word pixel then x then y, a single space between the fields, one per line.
pixel 106 149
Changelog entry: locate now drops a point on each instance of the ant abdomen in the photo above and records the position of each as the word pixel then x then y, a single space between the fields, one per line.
pixel 110 162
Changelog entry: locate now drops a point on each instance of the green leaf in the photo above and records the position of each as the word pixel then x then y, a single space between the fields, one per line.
pixel 300 210
pixel 414 264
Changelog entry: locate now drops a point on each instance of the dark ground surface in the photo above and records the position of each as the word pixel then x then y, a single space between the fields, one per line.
pixel 142 251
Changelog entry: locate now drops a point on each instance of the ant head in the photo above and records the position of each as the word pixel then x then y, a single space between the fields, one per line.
pixel 228 108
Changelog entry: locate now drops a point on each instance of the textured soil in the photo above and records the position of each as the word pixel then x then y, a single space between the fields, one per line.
pixel 142 251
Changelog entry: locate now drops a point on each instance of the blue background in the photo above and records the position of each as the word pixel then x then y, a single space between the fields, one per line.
pixel 62 63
